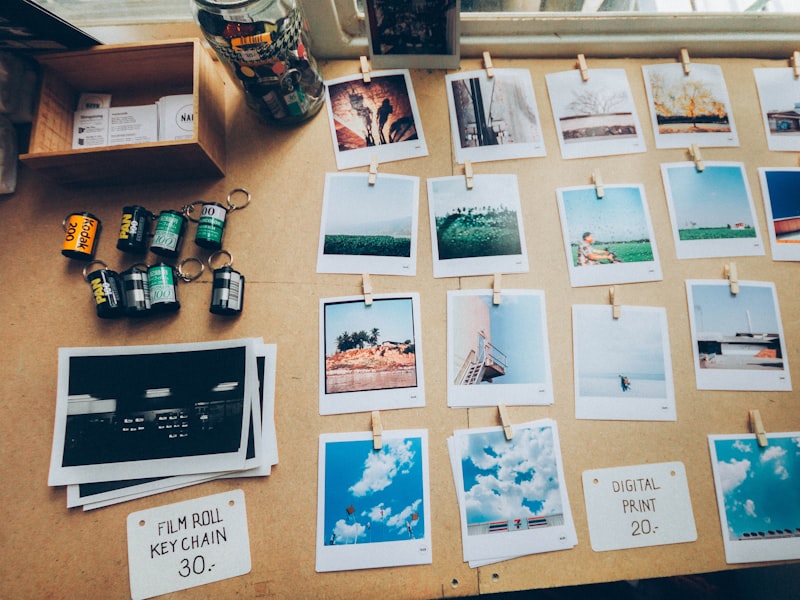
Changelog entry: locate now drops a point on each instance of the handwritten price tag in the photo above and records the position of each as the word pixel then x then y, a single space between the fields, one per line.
pixel 644 505
pixel 187 544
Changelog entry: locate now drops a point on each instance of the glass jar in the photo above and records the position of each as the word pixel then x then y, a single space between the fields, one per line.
pixel 264 45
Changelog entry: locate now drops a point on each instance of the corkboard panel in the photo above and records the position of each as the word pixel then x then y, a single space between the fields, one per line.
pixel 56 552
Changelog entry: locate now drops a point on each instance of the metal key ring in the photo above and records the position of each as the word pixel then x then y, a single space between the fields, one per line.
pixel 190 276
pixel 89 264
pixel 217 254
pixel 231 205
pixel 188 209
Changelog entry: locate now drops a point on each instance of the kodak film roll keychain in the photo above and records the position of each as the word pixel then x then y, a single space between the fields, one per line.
pixel 134 229
pixel 136 290
pixel 168 234
pixel 227 293
pixel 81 230
pixel 106 289
pixel 211 224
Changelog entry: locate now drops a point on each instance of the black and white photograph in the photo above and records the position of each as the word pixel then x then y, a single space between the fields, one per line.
pixel 737 339
pixel 494 118
pixel 377 119
pixel 757 495
pixel 689 108
pixel 623 366
pixel 369 228
pixel 132 412
pixel 497 353
pixel 424 34
pixel 596 117
pixel 608 240
pixel 476 231
pixel 782 206
pixel 370 354
pixel 779 94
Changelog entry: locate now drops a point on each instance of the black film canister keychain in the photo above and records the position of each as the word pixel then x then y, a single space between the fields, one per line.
pixel 136 290
pixel 134 229
pixel 106 289
pixel 211 224
pixel 169 231
pixel 81 230
pixel 227 292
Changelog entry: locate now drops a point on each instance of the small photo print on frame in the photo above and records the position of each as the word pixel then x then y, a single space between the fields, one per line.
pixel 373 506
pixel 757 496
pixel 737 339
pixel 782 207
pixel 379 118
pixel 623 369
pixel 369 228
pixel 414 35
pixel 779 94
pixel 689 109
pixel 476 231
pixel 497 353
pixel 712 211
pixel 132 412
pixel 512 493
pixel 494 118
pixel 596 117
pixel 370 354
pixel 608 240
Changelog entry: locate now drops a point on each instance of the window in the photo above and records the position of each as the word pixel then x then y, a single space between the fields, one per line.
pixel 521 28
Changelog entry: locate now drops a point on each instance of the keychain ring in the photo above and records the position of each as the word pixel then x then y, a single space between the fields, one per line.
pixel 231 205
pixel 217 254
pixel 190 276
pixel 89 264
pixel 188 209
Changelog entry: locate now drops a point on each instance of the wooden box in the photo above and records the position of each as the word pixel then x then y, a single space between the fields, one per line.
pixel 134 74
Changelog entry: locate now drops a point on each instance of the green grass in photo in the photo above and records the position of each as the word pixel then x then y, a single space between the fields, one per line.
pixel 368 245
pixel 633 251
pixel 715 233
pixel 468 234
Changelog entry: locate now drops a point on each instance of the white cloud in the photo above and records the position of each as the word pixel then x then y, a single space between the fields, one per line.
pixel 399 520
pixel 772 453
pixel 741 446
pixel 750 507
pixel 781 472
pixel 732 474
pixel 380 468
pixel 378 513
pixel 346 533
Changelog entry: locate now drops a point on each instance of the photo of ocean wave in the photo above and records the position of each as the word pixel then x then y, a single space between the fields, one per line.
pixel 609 386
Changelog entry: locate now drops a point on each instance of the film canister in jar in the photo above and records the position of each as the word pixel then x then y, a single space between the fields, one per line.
pixel 136 290
pixel 134 229
pixel 106 287
pixel 163 284
pixel 168 234
pixel 211 226
pixel 81 230
pixel 227 292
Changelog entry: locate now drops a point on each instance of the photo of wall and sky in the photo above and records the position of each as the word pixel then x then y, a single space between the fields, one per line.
pixel 782 207
pixel 712 211
pixel 779 94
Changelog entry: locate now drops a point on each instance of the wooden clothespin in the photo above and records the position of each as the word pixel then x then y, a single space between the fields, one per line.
pixel 365 69
pixel 686 61
pixel 584 69
pixel 487 64
pixel 730 273
pixel 597 179
pixel 694 151
pixel 373 170
pixel 469 174
pixel 612 298
pixel 367 285
pixel 505 421
pixel 497 288
pixel 757 427
pixel 377 430
pixel 796 63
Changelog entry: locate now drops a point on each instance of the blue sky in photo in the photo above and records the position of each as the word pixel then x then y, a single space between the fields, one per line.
pixel 392 316
pixel 617 217
pixel 508 479
pixel 759 485
pixel 353 203
pixel 717 310
pixel 384 490
pixel 783 193
pixel 715 197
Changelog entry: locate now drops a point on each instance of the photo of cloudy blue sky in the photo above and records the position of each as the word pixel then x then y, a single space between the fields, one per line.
pixel 759 485
pixel 374 496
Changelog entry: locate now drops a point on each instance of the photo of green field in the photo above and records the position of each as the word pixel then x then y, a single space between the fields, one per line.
pixel 628 252
pixel 368 245
pixel 478 231
pixel 716 233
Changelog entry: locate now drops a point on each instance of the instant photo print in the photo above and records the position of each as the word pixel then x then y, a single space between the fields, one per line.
pixel 779 94
pixel 782 207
